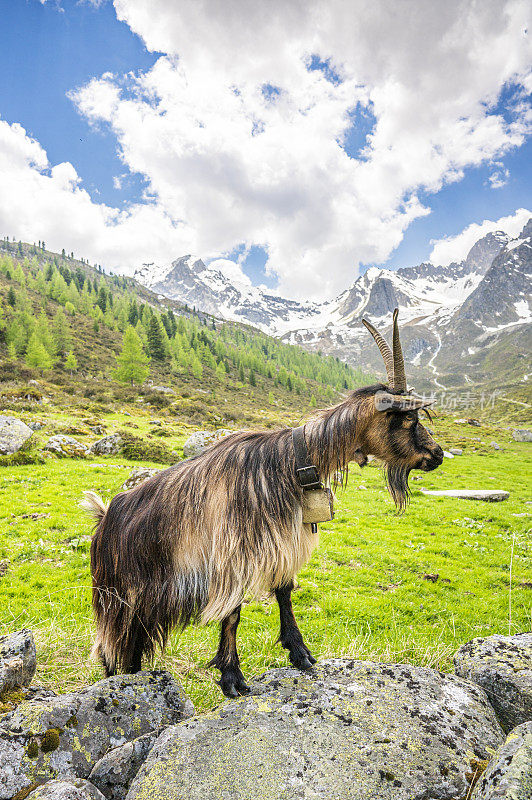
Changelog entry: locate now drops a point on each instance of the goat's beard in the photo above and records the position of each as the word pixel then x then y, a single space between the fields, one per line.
pixel 397 483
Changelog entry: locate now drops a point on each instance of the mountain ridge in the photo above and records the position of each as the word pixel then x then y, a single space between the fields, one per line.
pixel 449 313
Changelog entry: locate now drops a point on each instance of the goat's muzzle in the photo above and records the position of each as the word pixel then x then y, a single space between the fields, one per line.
pixel 431 459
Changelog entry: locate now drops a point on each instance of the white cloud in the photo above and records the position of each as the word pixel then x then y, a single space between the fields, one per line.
pixel 456 248
pixel 499 177
pixel 229 164
pixel 230 269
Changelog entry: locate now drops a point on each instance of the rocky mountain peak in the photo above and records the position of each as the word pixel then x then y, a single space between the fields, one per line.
pixel 483 252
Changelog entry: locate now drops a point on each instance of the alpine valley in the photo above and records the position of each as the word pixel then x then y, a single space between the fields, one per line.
pixel 463 325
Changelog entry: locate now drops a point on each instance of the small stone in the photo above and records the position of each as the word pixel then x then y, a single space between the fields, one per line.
pixel 18 660
pixel 522 435
pixel 108 446
pixel 488 495
pixel 448 454
pixel 495 446
pixel 502 666
pixel 66 447
pixel 200 441
pixel 36 425
pixel 475 422
pixel 164 389
pixel 137 476
pixel 13 434
pixel 509 774
pixel 456 451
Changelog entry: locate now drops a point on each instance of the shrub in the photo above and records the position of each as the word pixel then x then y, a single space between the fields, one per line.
pixel 28 454
pixel 138 449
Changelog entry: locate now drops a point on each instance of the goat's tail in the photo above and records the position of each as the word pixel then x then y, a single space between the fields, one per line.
pixel 133 597
pixel 93 504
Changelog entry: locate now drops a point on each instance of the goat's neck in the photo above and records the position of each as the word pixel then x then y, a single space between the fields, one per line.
pixel 332 438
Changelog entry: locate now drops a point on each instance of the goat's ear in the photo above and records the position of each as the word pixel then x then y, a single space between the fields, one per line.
pixel 384 401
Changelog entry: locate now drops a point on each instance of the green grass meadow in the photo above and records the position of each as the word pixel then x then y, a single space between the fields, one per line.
pixel 381 586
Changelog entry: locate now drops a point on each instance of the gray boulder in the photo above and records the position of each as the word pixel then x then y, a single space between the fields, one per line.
pixel 108 446
pixel 522 435
pixel 350 730
pixel 66 735
pixel 509 774
pixel 36 425
pixel 18 660
pixel 487 495
pixel 66 447
pixel 13 434
pixel 114 772
pixel 66 789
pixel 456 451
pixel 502 665
pixel 138 476
pixel 200 441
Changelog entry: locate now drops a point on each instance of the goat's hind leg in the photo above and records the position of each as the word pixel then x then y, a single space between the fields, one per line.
pixel 226 659
pixel 290 636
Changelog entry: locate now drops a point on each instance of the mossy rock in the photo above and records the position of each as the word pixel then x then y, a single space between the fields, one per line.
pixel 67 735
pixel 502 665
pixel 351 730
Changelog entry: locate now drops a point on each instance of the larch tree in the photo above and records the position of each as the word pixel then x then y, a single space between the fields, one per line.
pixel 132 361
pixel 37 355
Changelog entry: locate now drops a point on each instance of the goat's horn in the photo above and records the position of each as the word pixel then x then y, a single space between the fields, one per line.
pixel 399 376
pixel 386 353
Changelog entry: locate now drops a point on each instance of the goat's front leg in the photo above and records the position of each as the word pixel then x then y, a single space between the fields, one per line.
pixel 290 636
pixel 226 659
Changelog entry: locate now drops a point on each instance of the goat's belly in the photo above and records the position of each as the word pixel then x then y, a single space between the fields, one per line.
pixel 245 575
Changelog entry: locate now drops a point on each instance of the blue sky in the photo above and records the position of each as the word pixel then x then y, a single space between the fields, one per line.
pixel 48 50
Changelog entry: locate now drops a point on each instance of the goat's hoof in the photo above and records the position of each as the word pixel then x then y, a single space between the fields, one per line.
pixel 233 684
pixel 303 659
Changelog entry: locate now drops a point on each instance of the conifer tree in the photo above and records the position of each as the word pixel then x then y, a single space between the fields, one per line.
pixel 71 363
pixel 156 346
pixel 36 355
pixel 252 379
pixel 11 297
pixel 61 332
pixel 132 361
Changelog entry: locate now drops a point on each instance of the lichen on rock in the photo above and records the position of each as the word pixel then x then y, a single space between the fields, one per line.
pixel 350 730
pixel 509 775
pixel 67 735
pixel 502 666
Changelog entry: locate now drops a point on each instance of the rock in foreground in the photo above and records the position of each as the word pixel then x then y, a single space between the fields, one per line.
pixel 352 730
pixel 18 660
pixel 74 789
pixel 66 735
pixel 13 434
pixel 509 774
pixel 502 665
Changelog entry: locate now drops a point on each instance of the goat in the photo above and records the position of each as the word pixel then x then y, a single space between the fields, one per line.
pixel 189 543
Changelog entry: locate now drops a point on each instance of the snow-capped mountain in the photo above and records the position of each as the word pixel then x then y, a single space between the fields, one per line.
pixel 447 313
pixel 188 279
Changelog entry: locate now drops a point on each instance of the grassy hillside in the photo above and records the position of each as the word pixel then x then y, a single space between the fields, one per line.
pixel 407 588
pixel 63 322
